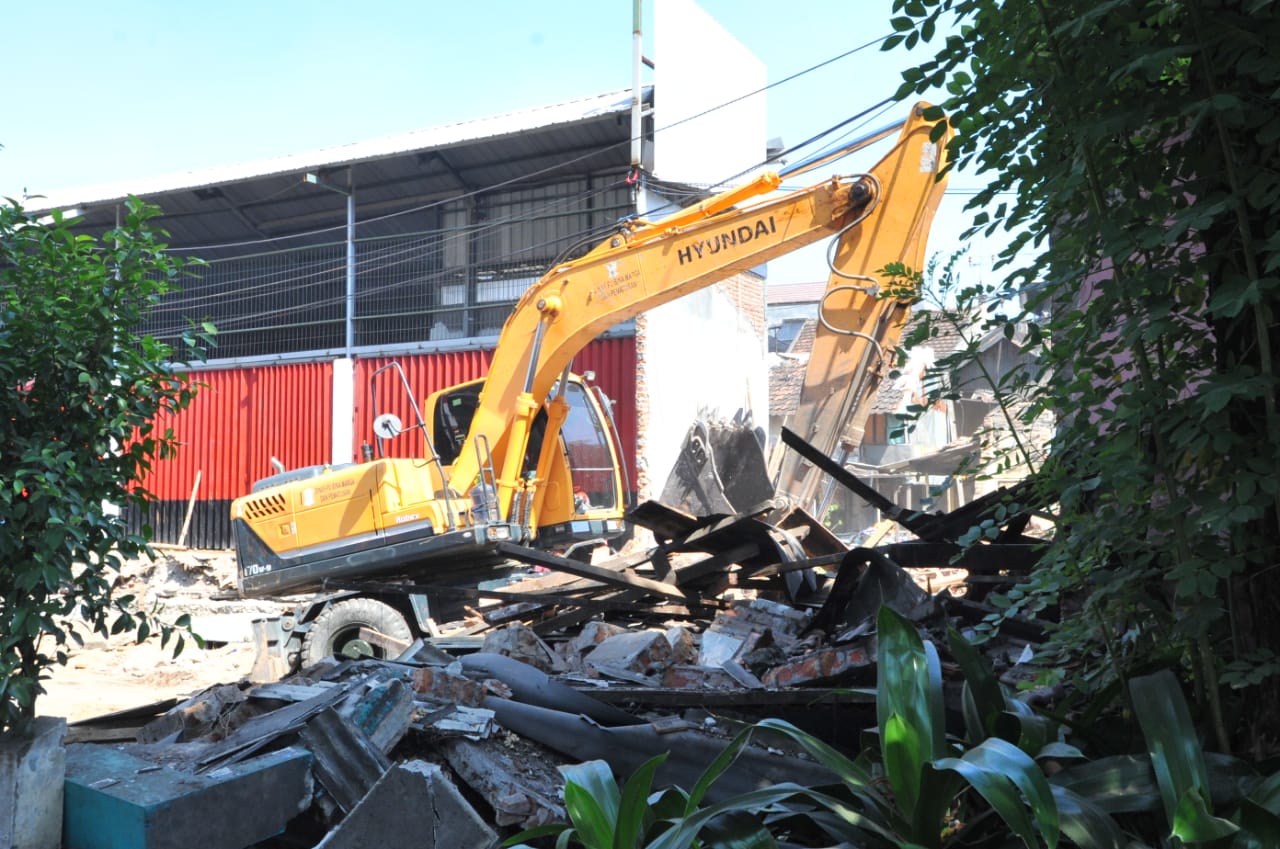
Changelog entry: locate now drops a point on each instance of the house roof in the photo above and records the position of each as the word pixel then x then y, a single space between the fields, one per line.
pixel 803 343
pixel 794 293
pixel 258 204
pixel 786 379
pixel 786 376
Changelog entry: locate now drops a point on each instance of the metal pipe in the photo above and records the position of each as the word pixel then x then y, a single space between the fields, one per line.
pixel 637 59
pixel 351 264
pixel 844 150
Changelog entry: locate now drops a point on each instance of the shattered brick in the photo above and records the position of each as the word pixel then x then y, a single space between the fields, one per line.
pixel 684 646
pixel 440 685
pixel 521 643
pixel 686 677
pixel 821 665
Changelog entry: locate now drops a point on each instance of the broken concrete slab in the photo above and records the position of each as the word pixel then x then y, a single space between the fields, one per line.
pixel 413 803
pixel 458 721
pixel 638 652
pixel 521 643
pixel 32 769
pixel 114 800
pixel 517 778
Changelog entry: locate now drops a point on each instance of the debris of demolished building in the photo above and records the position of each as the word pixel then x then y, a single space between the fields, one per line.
pixel 727 620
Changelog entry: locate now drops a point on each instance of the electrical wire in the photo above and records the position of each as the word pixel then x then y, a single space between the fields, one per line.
pixel 320 272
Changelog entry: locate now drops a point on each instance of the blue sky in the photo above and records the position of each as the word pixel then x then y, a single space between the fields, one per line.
pixel 102 92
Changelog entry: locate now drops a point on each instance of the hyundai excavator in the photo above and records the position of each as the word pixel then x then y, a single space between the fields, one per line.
pixel 528 454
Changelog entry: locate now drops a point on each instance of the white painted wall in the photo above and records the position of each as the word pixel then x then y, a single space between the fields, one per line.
pixel 704 360
pixel 703 356
pixel 344 405
pixel 699 66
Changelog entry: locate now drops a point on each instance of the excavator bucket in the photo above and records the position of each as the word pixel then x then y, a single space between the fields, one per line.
pixel 721 469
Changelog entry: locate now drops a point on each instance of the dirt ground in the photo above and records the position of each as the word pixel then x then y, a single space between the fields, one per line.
pixel 117 674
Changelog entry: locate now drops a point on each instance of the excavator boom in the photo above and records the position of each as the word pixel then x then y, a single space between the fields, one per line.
pixel 650 263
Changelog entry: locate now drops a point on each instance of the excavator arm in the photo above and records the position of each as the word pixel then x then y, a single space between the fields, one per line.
pixel 857 325
pixel 647 264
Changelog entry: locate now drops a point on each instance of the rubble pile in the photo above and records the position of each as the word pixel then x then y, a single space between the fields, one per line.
pixel 456 740
pixel 464 747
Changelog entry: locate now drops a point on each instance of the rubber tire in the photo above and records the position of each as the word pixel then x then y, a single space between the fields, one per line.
pixel 340 622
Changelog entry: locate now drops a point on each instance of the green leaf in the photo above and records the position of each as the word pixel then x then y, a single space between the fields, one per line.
pixel 1173 745
pixel 980 685
pixel 1194 823
pixel 1001 757
pixel 633 805
pixel 1085 824
pixel 591 800
pixel 908 704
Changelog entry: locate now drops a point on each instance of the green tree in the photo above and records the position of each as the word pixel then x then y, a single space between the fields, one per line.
pixel 1132 149
pixel 82 394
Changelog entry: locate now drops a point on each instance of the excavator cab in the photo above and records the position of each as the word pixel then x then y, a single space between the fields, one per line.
pixel 579 493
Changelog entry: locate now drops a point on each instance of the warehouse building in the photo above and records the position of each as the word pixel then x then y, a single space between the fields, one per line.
pixel 330 274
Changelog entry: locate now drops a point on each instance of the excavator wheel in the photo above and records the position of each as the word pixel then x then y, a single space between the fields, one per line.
pixel 336 631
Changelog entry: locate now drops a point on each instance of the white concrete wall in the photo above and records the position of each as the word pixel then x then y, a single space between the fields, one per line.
pixel 344 405
pixel 702 354
pixel 700 136
pixel 704 358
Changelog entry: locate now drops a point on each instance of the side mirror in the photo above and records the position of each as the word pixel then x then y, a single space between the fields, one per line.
pixel 388 426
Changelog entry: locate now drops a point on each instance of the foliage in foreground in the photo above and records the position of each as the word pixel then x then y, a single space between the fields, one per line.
pixel 1131 151
pixel 920 787
pixel 82 392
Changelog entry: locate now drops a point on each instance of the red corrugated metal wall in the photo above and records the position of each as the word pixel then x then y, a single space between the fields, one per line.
pixel 242 418
pixel 238 421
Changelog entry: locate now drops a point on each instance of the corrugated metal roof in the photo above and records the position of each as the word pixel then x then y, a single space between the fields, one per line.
pixel 264 206
pixel 446 135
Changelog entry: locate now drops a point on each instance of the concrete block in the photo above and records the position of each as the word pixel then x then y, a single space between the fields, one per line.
pixel 593 634
pixel 684 645
pixel 31 773
pixel 519 780
pixel 413 804
pixel 520 642
pixel 642 652
pixel 114 800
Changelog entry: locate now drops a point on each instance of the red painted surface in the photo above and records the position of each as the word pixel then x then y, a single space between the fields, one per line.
pixel 239 420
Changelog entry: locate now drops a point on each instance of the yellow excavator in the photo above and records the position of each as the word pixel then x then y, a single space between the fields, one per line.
pixel 528 454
